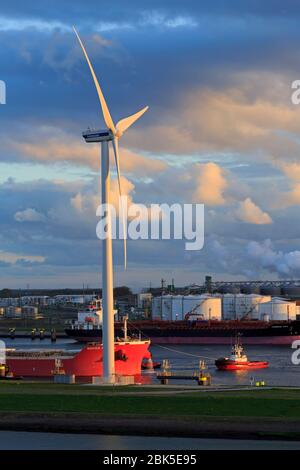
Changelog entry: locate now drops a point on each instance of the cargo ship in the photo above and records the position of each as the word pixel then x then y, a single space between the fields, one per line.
pixel 189 331
pixel 202 332
pixel 88 362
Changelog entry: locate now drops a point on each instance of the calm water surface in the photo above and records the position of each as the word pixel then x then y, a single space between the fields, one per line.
pixel 281 371
pixel 10 440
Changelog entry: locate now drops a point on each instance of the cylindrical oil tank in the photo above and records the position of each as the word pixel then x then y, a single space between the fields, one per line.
pixel 166 307
pixel 30 311
pixel 183 304
pixel 191 302
pixel 178 306
pixel 209 308
pixel 162 307
pixel 13 311
pixel 228 307
pixel 241 306
pixel 278 310
pixel 8 311
pixel 156 310
pixel 252 305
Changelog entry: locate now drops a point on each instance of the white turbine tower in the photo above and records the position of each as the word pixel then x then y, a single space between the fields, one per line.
pixel 112 133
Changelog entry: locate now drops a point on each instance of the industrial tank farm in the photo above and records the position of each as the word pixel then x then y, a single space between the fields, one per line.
pixel 223 307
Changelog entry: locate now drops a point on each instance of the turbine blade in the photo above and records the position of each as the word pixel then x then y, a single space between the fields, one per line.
pixel 123 124
pixel 117 160
pixel 106 114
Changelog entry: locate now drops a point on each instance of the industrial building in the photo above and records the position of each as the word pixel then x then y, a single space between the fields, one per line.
pixel 176 307
pixel 223 307
pixel 242 306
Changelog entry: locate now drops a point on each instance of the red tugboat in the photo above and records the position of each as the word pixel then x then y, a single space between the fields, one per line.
pixel 238 360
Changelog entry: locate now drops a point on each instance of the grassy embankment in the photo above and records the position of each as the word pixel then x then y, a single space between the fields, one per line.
pixel 125 401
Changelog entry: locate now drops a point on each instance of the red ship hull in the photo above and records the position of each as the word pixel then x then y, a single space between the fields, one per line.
pixel 227 364
pixel 86 363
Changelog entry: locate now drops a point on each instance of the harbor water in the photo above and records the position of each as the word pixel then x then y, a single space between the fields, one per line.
pixel 185 359
pixel 10 440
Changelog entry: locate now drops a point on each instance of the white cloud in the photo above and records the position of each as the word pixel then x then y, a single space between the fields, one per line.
pixel 249 212
pixel 17 24
pixel 29 215
pixel 210 184
pixel 88 201
pixel 12 258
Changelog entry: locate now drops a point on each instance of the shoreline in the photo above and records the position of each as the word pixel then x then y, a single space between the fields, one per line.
pixel 204 427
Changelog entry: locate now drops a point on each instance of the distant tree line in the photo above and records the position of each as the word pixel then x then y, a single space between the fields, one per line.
pixel 120 291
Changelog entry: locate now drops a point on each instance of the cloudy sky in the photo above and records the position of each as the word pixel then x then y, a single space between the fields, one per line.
pixel 221 130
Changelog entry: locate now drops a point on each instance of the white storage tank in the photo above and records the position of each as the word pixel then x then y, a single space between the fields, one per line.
pixel 208 308
pixel 183 304
pixel 252 305
pixel 13 311
pixel 30 311
pixel 242 306
pixel 176 307
pixel 156 308
pixel 278 310
pixel 77 299
pixel 166 307
pixel 162 307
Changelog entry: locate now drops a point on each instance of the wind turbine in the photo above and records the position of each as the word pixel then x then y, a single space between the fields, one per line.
pixel 111 134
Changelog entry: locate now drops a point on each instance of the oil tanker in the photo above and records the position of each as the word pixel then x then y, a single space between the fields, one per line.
pixel 197 332
pixel 88 328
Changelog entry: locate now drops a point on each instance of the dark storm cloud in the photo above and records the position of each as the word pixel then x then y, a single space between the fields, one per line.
pixel 66 11
pixel 153 62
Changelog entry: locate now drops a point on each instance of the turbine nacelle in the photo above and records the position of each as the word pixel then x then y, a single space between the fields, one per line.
pixel 97 135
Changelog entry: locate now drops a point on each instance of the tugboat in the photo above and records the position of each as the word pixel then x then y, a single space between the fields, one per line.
pixel 238 360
